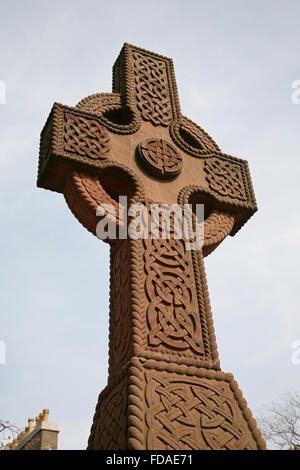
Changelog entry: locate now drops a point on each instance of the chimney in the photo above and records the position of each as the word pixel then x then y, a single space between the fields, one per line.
pixel 41 436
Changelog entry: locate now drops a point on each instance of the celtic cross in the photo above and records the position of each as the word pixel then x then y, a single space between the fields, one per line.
pixel 165 388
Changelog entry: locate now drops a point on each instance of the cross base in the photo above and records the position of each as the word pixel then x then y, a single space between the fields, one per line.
pixel 154 405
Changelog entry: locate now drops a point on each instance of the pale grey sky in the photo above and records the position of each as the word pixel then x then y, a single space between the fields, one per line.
pixel 235 62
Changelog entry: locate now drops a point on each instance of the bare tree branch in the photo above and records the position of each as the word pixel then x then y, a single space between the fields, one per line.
pixel 280 422
pixel 8 432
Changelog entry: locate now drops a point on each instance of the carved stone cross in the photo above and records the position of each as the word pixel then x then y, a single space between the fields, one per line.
pixel 165 387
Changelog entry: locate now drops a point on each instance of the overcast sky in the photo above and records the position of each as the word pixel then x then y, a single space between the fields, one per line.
pixel 235 62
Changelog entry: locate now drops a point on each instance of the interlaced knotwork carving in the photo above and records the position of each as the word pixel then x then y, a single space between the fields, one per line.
pixel 192 413
pixel 85 137
pixel 152 89
pixel 225 178
pixel 160 157
pixel 119 81
pixel 120 327
pixel 45 144
pixel 109 428
pixel 172 316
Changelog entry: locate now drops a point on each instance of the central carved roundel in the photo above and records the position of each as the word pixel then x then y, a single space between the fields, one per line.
pixel 160 158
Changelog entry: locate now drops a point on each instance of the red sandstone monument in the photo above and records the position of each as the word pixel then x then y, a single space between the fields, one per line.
pixel 165 388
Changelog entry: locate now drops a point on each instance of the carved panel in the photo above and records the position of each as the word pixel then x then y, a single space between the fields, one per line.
pixel 45 144
pixel 192 413
pixel 155 405
pixel 152 89
pixel 160 157
pixel 120 326
pixel 85 137
pixel 225 178
pixel 120 77
pixel 110 421
pixel 173 318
